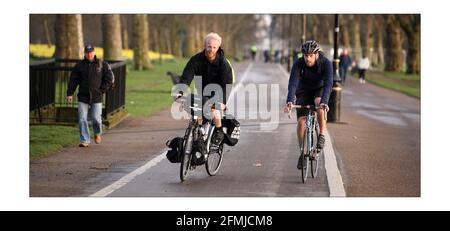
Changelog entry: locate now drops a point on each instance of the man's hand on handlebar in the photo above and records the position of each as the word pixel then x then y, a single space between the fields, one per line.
pixel 177 97
pixel 288 107
pixel 325 107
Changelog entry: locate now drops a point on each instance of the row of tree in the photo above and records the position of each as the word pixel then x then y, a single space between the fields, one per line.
pixel 380 37
pixel 180 35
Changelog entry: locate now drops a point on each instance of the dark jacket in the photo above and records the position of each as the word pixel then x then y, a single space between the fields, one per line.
pixel 218 71
pixel 94 79
pixel 345 61
pixel 312 78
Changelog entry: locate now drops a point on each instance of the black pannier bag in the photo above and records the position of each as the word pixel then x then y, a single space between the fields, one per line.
pixel 233 130
pixel 198 152
pixel 175 149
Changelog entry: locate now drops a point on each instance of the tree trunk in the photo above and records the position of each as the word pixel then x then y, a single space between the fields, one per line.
pixel 357 52
pixel 140 37
pixel 47 31
pixel 124 27
pixel 345 32
pixel 369 40
pixel 175 38
pixel 69 36
pixel 394 55
pixel 112 40
pixel 411 26
pixel 189 47
pixel 380 30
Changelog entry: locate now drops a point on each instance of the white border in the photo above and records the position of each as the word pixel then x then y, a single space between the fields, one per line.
pixel 14 169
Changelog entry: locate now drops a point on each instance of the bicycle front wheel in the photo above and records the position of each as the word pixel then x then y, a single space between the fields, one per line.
pixel 186 155
pixel 316 152
pixel 214 161
pixel 304 156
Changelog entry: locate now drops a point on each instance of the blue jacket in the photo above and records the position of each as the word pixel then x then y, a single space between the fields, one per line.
pixel 345 61
pixel 318 76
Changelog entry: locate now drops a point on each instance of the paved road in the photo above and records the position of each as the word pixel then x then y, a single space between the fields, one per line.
pixel 379 143
pixel 377 147
pixel 262 164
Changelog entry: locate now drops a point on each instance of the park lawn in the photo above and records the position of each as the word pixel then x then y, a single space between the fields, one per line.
pixel 149 91
pixel 146 92
pixel 401 82
pixel 48 139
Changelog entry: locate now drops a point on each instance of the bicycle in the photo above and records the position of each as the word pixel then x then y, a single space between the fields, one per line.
pixel 195 131
pixel 309 154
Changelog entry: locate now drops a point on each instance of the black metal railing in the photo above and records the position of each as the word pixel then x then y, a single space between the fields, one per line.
pixel 48 87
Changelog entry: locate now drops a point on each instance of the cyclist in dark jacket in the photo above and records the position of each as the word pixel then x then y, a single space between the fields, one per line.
pixel 310 83
pixel 214 68
pixel 94 77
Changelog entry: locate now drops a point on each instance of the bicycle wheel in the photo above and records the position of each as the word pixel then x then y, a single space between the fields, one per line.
pixel 186 155
pixel 304 156
pixel 316 153
pixel 214 160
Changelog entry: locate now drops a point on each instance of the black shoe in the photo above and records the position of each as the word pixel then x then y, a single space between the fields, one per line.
pixel 321 142
pixel 218 137
pixel 216 140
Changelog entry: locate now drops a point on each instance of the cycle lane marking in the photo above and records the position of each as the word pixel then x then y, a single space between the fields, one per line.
pixel 129 177
pixel 334 177
pixel 153 162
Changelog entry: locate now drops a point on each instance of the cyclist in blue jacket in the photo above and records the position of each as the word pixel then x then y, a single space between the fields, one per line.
pixel 310 83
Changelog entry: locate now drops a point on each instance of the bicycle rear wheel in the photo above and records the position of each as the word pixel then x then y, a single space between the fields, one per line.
pixel 186 155
pixel 304 156
pixel 316 152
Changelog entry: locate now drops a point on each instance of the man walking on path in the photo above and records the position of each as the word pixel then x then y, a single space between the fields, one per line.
pixel 94 77
pixel 345 62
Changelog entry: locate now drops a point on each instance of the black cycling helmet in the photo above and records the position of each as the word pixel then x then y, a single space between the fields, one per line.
pixel 310 47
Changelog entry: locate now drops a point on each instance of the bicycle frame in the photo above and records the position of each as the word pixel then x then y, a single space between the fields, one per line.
pixel 193 133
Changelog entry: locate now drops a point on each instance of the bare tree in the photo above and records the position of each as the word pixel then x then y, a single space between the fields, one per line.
pixel 125 32
pixel 69 36
pixel 345 28
pixel 141 42
pixel 380 32
pixel 112 40
pixel 356 35
pixel 411 26
pixel 369 37
pixel 394 55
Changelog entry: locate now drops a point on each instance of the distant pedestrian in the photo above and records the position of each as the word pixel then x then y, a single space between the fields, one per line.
pixel 345 63
pixel 363 66
pixel 253 51
pixel 266 56
pixel 94 77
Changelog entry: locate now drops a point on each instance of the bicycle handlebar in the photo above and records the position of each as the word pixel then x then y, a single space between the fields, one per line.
pixel 307 107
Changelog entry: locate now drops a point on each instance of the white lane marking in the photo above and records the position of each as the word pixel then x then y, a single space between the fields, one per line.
pixel 129 177
pixel 334 178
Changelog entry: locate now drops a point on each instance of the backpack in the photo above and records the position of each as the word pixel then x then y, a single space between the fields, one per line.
pixel 233 130
pixel 175 149
pixel 102 64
